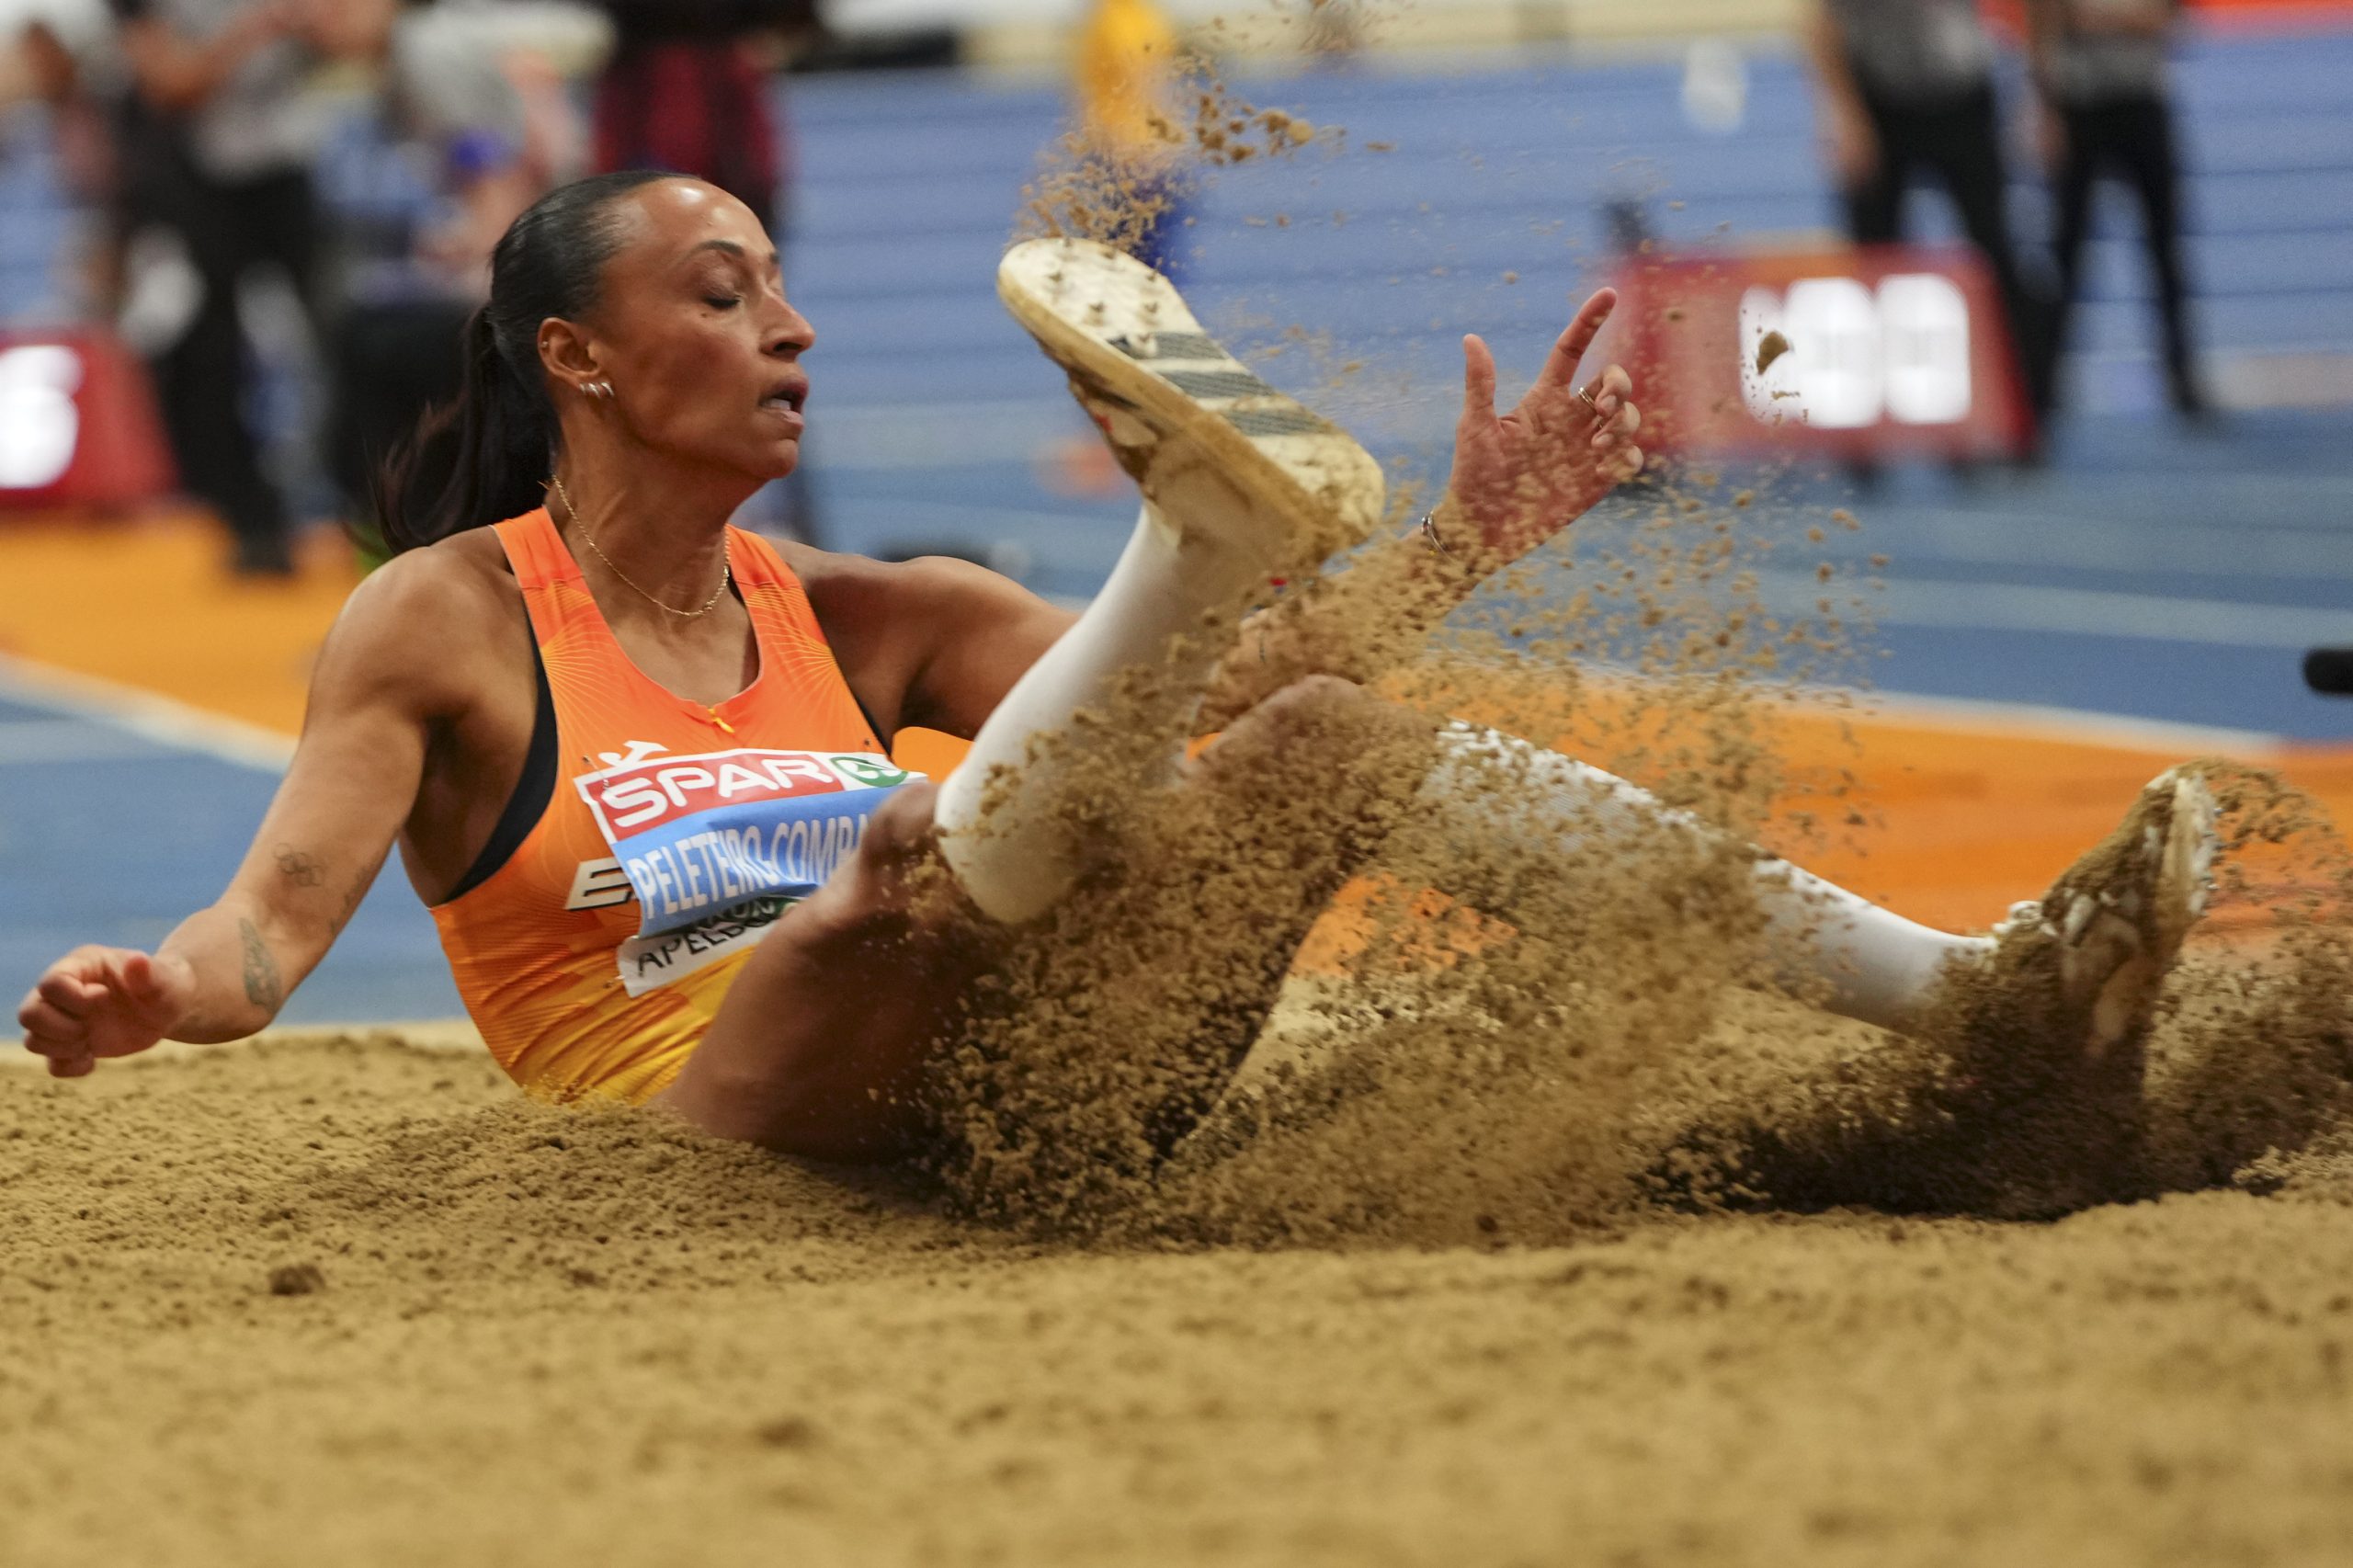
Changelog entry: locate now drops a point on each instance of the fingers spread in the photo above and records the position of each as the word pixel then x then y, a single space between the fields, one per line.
pixel 1561 365
pixel 1478 379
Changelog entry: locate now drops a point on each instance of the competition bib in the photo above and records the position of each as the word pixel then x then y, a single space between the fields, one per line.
pixel 746 832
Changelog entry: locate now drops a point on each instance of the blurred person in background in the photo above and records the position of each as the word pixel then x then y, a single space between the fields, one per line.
pixel 1126 73
pixel 2099 68
pixel 215 191
pixel 1131 155
pixel 1906 88
pixel 59 58
pixel 490 120
pixel 688 90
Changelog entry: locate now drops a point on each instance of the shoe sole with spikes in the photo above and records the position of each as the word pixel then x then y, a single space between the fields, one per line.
pixel 1179 411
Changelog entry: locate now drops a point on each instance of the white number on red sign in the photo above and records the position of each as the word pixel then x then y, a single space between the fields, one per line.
pixel 38 422
pixel 1858 355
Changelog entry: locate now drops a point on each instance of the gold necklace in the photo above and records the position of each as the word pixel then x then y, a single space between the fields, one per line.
pixel 726 572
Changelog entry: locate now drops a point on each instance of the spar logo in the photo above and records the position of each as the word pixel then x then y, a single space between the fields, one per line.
pixel 647 793
pixel 701 836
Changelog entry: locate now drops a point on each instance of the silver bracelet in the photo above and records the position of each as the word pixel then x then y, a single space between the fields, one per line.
pixel 1429 527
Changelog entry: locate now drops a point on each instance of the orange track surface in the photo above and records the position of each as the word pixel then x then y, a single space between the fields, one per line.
pixel 1969 815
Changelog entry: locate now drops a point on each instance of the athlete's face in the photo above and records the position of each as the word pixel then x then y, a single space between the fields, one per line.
pixel 694 335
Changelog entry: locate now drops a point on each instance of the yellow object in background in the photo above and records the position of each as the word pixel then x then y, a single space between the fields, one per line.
pixel 1126 67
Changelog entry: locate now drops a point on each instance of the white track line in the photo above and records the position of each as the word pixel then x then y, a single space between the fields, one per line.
pixel 1995 721
pixel 2083 612
pixel 2039 540
pixel 145 714
pixel 31 742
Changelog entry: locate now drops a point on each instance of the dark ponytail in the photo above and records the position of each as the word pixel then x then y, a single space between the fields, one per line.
pixel 484 458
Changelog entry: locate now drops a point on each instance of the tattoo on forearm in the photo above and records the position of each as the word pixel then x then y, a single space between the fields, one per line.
pixel 358 892
pixel 299 867
pixel 263 987
pixel 351 901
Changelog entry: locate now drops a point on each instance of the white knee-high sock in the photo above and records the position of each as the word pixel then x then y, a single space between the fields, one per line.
pixel 1878 966
pixel 1156 611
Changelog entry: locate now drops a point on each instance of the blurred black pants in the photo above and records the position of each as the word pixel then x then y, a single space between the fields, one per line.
pixel 2131 137
pixel 1960 144
pixel 232 230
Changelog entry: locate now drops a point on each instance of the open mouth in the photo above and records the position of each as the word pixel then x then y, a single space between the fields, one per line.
pixel 786 397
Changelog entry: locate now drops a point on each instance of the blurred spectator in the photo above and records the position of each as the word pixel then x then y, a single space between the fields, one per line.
pixel 688 88
pixel 61 55
pixel 1907 88
pixel 493 124
pixel 215 190
pixel 2100 67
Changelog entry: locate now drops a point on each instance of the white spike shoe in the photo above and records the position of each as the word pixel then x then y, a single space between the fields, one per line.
pixel 2023 1098
pixel 2107 934
pixel 1219 453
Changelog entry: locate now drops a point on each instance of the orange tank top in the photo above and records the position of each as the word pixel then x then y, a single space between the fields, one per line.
pixel 672 835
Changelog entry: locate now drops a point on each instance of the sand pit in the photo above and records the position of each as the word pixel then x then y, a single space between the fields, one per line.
pixel 548 1337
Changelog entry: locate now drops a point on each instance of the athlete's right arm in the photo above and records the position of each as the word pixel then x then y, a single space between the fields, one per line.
pixel 393 670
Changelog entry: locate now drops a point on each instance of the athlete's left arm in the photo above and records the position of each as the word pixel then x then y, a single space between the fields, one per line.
pixel 1518 479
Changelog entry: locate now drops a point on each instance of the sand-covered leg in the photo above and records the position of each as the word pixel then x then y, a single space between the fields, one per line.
pixel 1243 487
pixel 1323 772
pixel 2018 1092
pixel 1562 818
pixel 1118 1021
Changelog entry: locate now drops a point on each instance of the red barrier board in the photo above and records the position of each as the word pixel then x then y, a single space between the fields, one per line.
pixel 78 425
pixel 1885 351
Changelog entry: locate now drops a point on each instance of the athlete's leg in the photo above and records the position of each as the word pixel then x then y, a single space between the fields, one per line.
pixel 1242 487
pixel 2019 1089
pixel 1834 947
pixel 1166 615
pixel 819 1048
pixel 1295 797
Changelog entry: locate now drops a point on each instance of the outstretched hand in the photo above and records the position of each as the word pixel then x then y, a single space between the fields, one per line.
pixel 1521 478
pixel 97 1002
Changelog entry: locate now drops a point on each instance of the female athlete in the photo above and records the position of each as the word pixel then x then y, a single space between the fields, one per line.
pixel 638 764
